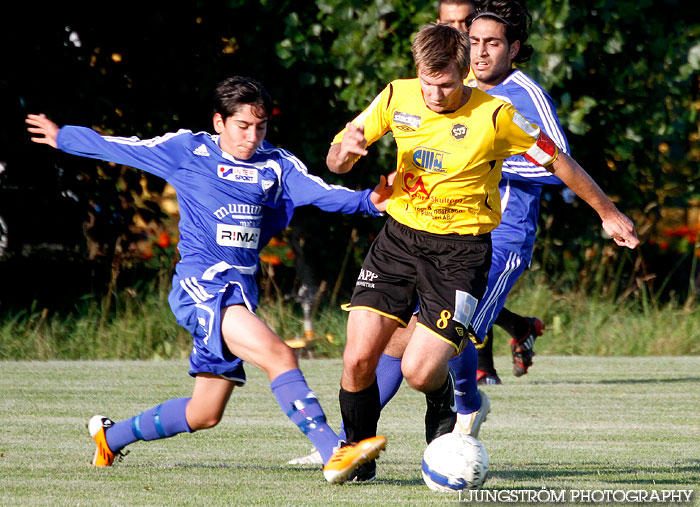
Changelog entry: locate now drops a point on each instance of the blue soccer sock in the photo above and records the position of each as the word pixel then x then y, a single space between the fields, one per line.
pixel 302 407
pixel 389 378
pixel 162 421
pixel 466 392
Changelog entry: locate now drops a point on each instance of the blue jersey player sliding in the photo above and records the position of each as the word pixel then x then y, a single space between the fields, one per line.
pixel 235 190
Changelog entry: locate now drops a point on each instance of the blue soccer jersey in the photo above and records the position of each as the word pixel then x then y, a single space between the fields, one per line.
pixel 520 188
pixel 229 209
pixel 522 181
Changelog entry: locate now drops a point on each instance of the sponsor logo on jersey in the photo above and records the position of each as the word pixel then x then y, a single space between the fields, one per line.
pixel 428 159
pixel 459 131
pixel 238 174
pixel 414 185
pixel 241 211
pixel 238 236
pixel 411 120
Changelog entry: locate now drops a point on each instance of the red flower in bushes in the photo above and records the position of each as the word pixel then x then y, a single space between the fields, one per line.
pixel 271 259
pixel 163 240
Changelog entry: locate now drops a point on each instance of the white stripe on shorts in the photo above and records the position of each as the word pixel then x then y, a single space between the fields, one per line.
pixel 489 304
pixel 196 291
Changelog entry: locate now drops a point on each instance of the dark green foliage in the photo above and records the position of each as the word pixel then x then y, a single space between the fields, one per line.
pixel 625 75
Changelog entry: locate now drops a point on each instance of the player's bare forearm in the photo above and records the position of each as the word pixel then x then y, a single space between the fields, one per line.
pixel 615 223
pixel 578 180
pixel 336 163
pixel 342 156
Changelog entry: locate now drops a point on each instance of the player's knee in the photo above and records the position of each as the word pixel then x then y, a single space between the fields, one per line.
pixel 419 377
pixel 359 364
pixel 419 380
pixel 277 360
pixel 284 355
pixel 204 423
pixel 203 419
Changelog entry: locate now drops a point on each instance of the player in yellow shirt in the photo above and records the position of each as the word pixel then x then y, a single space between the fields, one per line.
pixel 436 247
pixel 449 161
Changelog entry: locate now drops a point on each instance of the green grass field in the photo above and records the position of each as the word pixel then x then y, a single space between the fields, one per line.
pixel 572 423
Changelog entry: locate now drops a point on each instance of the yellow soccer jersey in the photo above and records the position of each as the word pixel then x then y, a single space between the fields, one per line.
pixel 449 165
pixel 470 80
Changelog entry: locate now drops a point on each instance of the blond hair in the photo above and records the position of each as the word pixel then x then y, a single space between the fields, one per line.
pixel 435 47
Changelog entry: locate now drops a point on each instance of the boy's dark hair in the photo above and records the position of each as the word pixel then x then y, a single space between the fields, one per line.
pixel 234 92
pixel 515 16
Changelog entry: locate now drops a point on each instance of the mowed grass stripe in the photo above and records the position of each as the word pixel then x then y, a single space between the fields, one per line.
pixel 571 423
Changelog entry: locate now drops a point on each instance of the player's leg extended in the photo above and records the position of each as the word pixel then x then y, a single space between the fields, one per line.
pixel 179 415
pixel 203 410
pixel 389 378
pixel 249 338
pixel 253 341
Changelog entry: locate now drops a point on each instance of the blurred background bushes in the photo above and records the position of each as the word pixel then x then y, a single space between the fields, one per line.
pixel 625 75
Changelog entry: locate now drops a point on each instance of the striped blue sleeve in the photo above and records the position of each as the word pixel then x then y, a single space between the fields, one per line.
pixel 537 106
pixel 303 188
pixel 160 156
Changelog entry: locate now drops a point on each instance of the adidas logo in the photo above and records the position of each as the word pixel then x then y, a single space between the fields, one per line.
pixel 201 151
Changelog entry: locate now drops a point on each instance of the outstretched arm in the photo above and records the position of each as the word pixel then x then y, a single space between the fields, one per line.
pixel 616 224
pixel 44 129
pixel 342 156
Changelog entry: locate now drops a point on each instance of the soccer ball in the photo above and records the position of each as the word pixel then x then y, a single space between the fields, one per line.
pixel 454 462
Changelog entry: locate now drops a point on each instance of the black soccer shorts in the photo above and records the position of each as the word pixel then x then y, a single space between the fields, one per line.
pixel 446 273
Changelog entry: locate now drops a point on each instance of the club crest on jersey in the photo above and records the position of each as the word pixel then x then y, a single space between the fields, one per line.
pixel 459 131
pixel 428 159
pixel 238 174
pixel 405 121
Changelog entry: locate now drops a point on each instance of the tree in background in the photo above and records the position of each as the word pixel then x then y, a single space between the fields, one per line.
pixel 624 73
pixel 626 77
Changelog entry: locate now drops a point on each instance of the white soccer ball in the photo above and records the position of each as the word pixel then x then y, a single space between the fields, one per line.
pixel 454 462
